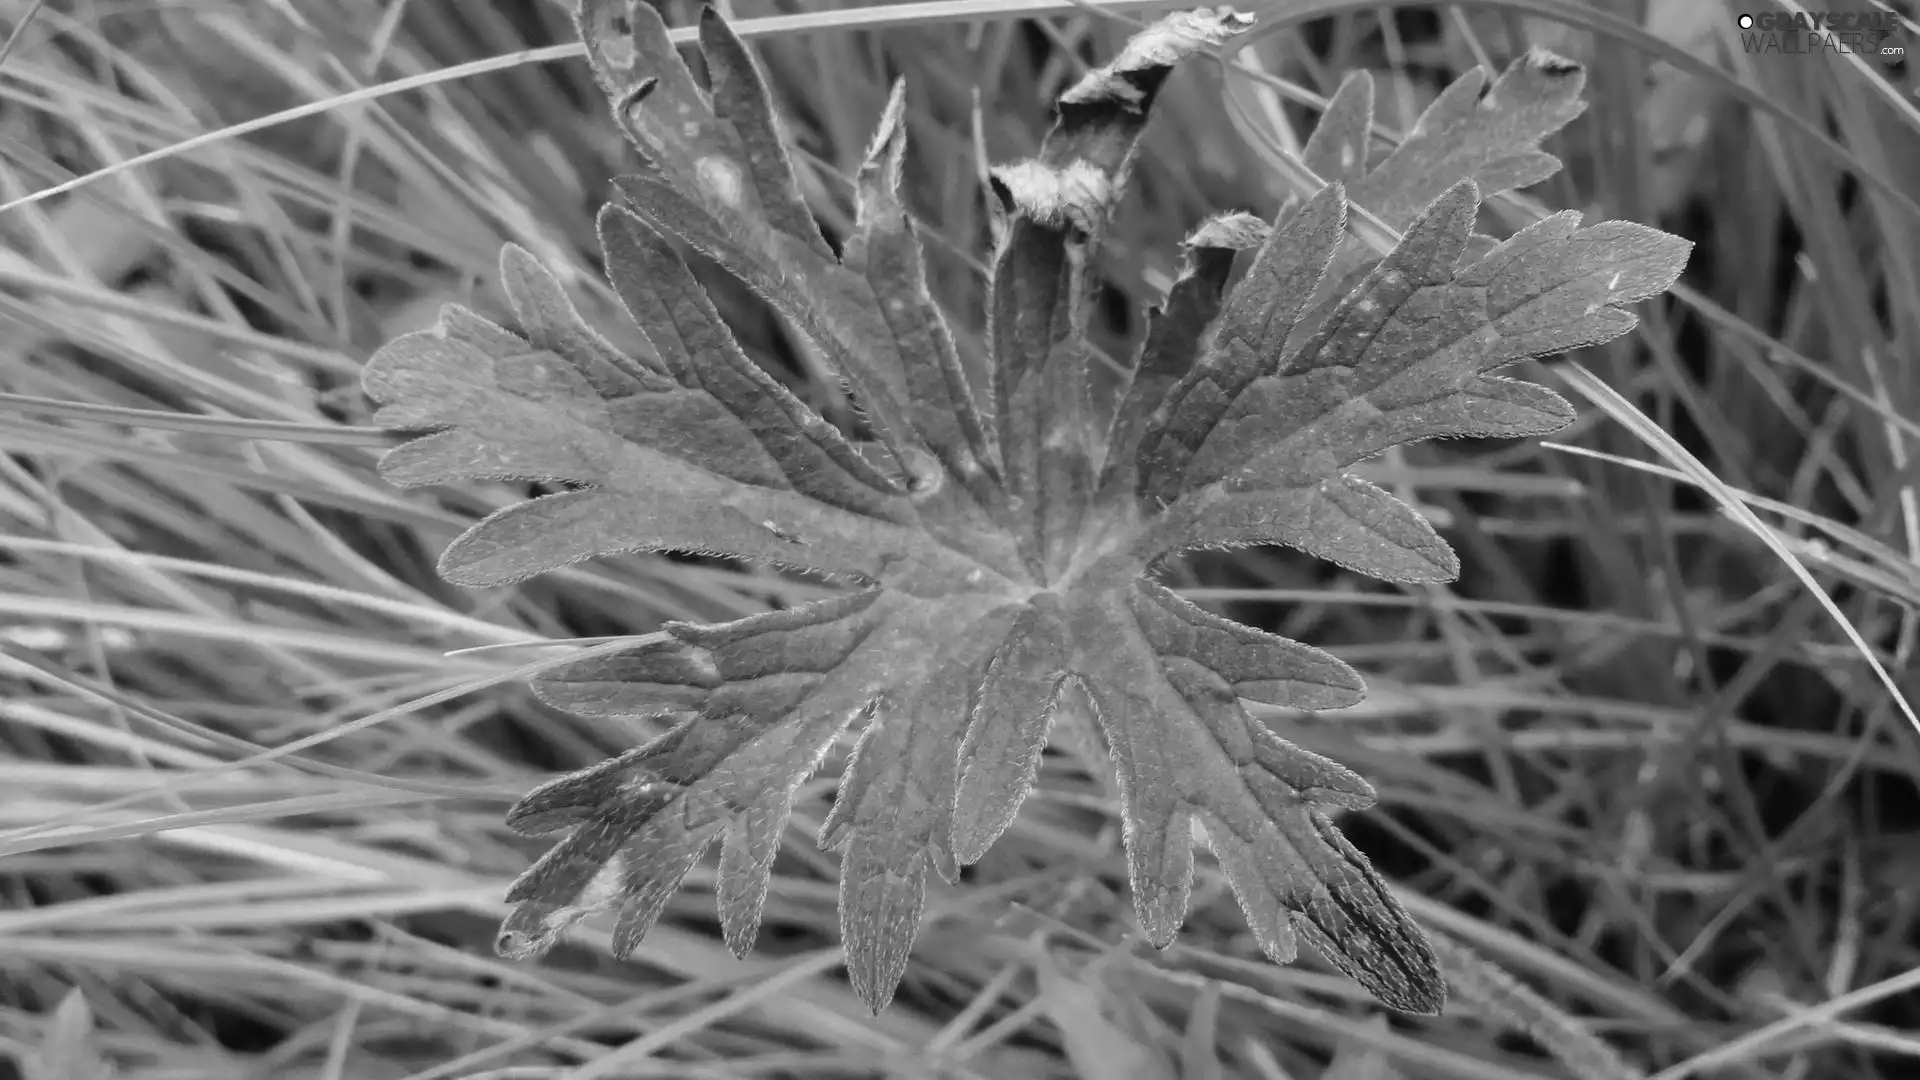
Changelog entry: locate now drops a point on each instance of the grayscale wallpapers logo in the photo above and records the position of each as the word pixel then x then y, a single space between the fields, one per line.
pixel 1876 34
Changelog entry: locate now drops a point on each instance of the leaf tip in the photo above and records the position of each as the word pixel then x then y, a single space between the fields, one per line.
pixel 740 939
pixel 516 259
pixel 1131 77
pixel 1466 192
pixel 1548 62
pixel 1443 563
pixel 1075 194
pixel 607 28
pixel 1235 231
pixel 530 932
pixel 473 564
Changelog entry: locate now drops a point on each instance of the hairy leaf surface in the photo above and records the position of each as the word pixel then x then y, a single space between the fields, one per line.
pixel 1493 140
pixel 996 544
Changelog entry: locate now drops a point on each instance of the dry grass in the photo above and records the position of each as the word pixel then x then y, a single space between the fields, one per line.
pixel 1647 767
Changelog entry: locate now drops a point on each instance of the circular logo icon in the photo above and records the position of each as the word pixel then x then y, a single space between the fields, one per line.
pixel 1745 21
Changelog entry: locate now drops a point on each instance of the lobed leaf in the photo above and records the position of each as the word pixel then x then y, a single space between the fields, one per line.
pixel 685 513
pixel 1342 519
pixel 550 322
pixel 1492 140
pixel 1419 331
pixel 1007 726
pixel 1186 752
pixel 890 822
pixel 1002 562
pixel 721 152
pixel 694 344
pixel 886 253
pixel 1259 666
pixel 1176 333
pixel 769 707
pixel 728 461
pixel 1403 357
pixel 523 414
pixel 717 177
pixel 1056 206
pixel 892 819
pixel 1248 345
pixel 742 102
pixel 1036 308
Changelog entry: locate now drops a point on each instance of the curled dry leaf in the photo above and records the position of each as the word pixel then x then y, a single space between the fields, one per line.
pixel 998 542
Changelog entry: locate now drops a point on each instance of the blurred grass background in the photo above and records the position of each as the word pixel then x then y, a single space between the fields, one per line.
pixel 253 754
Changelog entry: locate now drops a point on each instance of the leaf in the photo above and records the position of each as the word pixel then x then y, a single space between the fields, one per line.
pixel 1036 312
pixel 721 152
pixel 893 817
pixel 1007 726
pixel 1185 751
pixel 1341 519
pixel 1056 206
pixel 673 311
pixel 886 252
pixel 1492 140
pixel 717 178
pixel 1259 666
pixel 729 462
pixel 772 696
pixel 1391 361
pixel 1176 333
pixel 1338 151
pixel 1249 343
pixel 741 100
pixel 998 561
pixel 550 322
